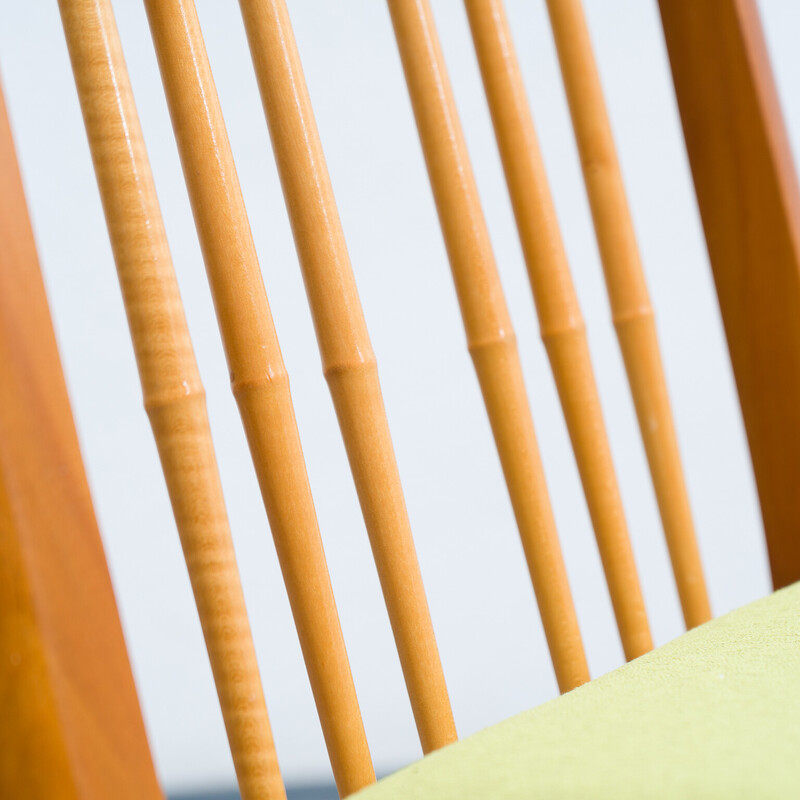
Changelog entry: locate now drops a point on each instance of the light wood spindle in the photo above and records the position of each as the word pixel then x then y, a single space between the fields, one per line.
pixel 490 336
pixel 173 394
pixel 347 358
pixel 560 321
pixel 629 299
pixel 258 378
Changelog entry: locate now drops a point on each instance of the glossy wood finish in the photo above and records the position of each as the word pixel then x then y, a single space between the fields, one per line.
pixel 490 336
pixel 560 320
pixel 70 724
pixel 347 359
pixel 749 202
pixel 258 378
pixel 173 394
pixel 629 299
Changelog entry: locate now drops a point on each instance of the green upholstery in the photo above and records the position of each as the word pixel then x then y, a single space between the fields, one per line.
pixel 713 714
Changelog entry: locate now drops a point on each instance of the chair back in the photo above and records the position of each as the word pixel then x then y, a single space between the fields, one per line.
pixel 724 128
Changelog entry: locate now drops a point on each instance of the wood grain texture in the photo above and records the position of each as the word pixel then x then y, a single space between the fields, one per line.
pixel 629 299
pixel 347 359
pixel 490 337
pixel 70 724
pixel 173 394
pixel 259 379
pixel 749 202
pixel 560 320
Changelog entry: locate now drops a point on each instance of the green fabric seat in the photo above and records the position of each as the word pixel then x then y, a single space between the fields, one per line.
pixel 713 714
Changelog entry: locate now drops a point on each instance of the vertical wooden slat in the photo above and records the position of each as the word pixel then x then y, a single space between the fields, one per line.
pixel 560 320
pixel 629 299
pixel 70 724
pixel 258 378
pixel 347 358
pixel 173 394
pixel 490 336
pixel 749 202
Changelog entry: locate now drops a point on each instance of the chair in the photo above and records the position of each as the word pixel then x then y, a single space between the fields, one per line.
pixel 74 687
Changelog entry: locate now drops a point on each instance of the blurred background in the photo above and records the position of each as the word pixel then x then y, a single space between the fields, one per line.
pixel 487 625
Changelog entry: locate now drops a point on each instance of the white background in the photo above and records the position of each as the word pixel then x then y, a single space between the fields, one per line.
pixel 487 625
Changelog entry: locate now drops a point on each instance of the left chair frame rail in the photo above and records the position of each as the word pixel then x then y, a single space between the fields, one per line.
pixel 70 722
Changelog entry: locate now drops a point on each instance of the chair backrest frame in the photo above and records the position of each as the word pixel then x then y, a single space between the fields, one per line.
pixel 731 116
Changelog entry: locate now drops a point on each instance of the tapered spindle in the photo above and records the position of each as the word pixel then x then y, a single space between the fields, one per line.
pixel 629 299
pixel 347 358
pixel 560 321
pixel 173 394
pixel 258 378
pixel 490 337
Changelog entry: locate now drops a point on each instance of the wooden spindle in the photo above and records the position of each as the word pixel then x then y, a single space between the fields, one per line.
pixel 490 336
pixel 560 320
pixel 258 378
pixel 173 395
pixel 348 360
pixel 629 299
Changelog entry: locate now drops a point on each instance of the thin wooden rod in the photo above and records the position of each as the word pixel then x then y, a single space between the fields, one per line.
pixel 348 360
pixel 560 321
pixel 173 394
pixel 490 337
pixel 629 299
pixel 258 378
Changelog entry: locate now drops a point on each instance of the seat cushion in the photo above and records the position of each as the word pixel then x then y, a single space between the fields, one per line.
pixel 713 714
